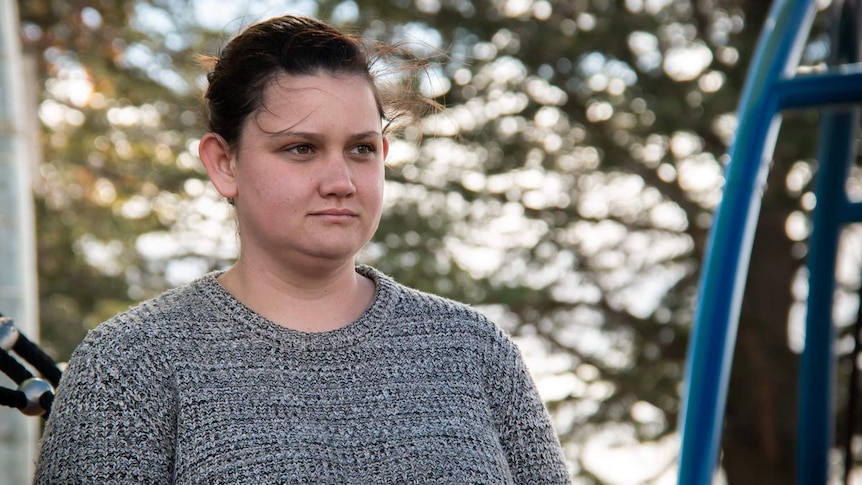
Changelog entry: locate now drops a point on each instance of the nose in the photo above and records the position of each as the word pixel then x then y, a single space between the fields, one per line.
pixel 336 178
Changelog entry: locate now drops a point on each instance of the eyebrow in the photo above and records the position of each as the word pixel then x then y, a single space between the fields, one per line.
pixel 316 136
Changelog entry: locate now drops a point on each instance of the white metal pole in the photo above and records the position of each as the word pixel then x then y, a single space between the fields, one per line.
pixel 18 292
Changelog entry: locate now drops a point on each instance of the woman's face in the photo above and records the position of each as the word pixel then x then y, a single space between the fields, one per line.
pixel 308 170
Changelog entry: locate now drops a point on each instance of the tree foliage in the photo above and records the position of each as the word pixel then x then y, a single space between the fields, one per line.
pixel 567 189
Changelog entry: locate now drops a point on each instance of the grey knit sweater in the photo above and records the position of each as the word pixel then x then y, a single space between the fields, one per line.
pixel 194 387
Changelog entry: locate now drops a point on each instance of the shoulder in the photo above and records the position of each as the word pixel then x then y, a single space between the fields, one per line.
pixel 433 314
pixel 134 351
pixel 150 324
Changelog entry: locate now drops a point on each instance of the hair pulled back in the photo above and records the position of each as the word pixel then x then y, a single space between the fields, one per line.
pixel 291 45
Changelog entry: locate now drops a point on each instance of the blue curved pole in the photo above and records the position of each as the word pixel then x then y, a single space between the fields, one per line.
pixel 817 368
pixel 730 240
pixel 838 130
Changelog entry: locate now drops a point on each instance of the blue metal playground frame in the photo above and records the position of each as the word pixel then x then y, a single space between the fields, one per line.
pixel 771 87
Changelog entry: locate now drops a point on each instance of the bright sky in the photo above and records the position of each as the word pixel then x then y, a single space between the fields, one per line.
pixel 230 17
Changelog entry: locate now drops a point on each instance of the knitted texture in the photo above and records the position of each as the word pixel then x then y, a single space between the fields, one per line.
pixel 194 387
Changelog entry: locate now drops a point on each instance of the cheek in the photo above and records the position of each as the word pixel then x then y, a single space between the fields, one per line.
pixel 267 199
pixel 267 193
pixel 374 187
pixel 267 185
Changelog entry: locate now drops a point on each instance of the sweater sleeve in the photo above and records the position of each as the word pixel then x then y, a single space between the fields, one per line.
pixel 526 434
pixel 113 419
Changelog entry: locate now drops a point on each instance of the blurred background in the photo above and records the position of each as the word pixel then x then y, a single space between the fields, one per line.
pixel 566 191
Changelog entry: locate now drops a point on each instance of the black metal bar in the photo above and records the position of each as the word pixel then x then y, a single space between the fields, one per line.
pixel 14 369
pixel 30 352
pixel 12 398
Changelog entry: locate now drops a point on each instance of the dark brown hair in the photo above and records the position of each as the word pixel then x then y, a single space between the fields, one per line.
pixel 297 46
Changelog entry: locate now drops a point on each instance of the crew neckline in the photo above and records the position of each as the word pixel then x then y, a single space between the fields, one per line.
pixel 351 334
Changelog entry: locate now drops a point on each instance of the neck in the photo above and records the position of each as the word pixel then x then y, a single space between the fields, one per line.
pixel 310 301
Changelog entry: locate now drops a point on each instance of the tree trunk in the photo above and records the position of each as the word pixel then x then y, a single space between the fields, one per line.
pixel 759 439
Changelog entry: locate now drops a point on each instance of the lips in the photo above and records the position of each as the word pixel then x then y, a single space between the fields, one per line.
pixel 335 212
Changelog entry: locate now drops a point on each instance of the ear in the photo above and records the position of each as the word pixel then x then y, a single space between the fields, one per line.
pixel 385 148
pixel 219 161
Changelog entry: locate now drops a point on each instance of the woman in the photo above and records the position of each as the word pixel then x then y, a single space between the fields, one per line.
pixel 294 365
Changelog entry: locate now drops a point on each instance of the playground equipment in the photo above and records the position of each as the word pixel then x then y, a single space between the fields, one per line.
pixel 771 87
pixel 34 395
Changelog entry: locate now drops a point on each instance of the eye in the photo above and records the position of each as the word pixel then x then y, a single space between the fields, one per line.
pixel 364 149
pixel 300 149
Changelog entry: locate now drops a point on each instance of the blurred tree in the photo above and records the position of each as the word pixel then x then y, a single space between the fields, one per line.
pixel 567 190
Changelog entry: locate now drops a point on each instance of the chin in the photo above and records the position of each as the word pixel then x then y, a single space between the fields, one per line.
pixel 335 253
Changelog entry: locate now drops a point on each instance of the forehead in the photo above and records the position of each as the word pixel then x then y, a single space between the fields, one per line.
pixel 288 97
